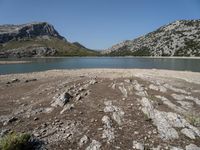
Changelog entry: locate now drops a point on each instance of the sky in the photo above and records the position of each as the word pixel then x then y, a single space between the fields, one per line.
pixel 99 24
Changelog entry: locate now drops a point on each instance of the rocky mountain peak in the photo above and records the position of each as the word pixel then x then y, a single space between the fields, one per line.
pixel 35 29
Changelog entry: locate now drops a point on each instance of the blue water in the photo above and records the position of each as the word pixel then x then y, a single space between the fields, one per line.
pixel 41 64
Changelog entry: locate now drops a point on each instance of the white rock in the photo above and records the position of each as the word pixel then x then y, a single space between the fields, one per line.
pixel 124 91
pixel 189 133
pixel 118 116
pixel 83 141
pixel 192 147
pixel 106 120
pixel 138 146
pixel 178 97
pixel 175 148
pixel 94 145
pixel 61 100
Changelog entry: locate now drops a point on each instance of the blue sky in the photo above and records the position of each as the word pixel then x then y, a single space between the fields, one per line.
pixel 98 24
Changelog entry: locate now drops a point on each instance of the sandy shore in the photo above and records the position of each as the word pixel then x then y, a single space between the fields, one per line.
pixel 113 73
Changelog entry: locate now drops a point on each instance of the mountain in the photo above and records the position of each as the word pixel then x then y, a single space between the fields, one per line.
pixel 35 40
pixel 180 38
pixel 78 45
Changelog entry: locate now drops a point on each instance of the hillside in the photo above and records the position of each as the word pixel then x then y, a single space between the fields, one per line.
pixel 36 40
pixel 180 38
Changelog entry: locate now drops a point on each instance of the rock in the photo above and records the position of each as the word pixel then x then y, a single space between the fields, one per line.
pixel 15 80
pixel 92 120
pixel 157 88
pixel 175 148
pixel 178 97
pixel 83 141
pixel 95 145
pixel 192 147
pixel 93 81
pixel 136 132
pixel 127 80
pixel 156 148
pixel 61 99
pixel 36 118
pixel 4 132
pixel 177 90
pixel 189 133
pixel 78 97
pixel 113 86
pixel 10 120
pixel 108 131
pixel 30 80
pixel 117 112
pixel 171 105
pixel 140 90
pixel 109 107
pixel 118 116
pixel 124 91
pixel 106 120
pixel 186 105
pixel 48 110
pixel 138 146
pixel 67 107
pixel 108 134
pixel 165 129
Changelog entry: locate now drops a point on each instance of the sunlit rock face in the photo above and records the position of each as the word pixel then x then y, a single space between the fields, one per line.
pixel 179 38
pixel 14 32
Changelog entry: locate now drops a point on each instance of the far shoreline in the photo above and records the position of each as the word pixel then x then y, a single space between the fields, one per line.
pixel 156 57
pixel 13 62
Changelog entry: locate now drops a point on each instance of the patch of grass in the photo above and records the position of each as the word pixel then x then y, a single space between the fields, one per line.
pixel 194 119
pixel 63 48
pixel 15 141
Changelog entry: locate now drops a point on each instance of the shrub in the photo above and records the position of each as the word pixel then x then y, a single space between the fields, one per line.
pixel 15 141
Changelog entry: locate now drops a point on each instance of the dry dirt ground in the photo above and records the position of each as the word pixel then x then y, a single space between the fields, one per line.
pixel 104 109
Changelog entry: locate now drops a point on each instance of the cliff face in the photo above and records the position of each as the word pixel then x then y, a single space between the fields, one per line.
pixel 36 40
pixel 31 30
pixel 180 38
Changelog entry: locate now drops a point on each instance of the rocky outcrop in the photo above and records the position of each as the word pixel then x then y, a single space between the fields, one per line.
pixel 29 52
pixel 30 30
pixel 180 38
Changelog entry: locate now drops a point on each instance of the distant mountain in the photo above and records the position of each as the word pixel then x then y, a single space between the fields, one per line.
pixel 180 38
pixel 35 40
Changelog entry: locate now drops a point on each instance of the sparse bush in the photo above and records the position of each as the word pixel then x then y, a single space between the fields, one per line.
pixel 194 119
pixel 15 141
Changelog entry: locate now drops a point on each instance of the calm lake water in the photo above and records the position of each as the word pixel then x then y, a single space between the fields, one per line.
pixel 41 64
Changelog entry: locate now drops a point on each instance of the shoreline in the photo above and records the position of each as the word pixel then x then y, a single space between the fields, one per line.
pixel 193 77
pixel 13 62
pixel 156 57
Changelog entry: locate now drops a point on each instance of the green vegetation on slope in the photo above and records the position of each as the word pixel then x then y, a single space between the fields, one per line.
pixel 63 48
pixel 189 45
pixel 15 141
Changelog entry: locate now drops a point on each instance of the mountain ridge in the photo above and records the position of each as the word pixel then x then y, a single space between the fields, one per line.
pixel 37 39
pixel 179 38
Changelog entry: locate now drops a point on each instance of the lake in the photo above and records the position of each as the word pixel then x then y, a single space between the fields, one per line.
pixel 42 64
